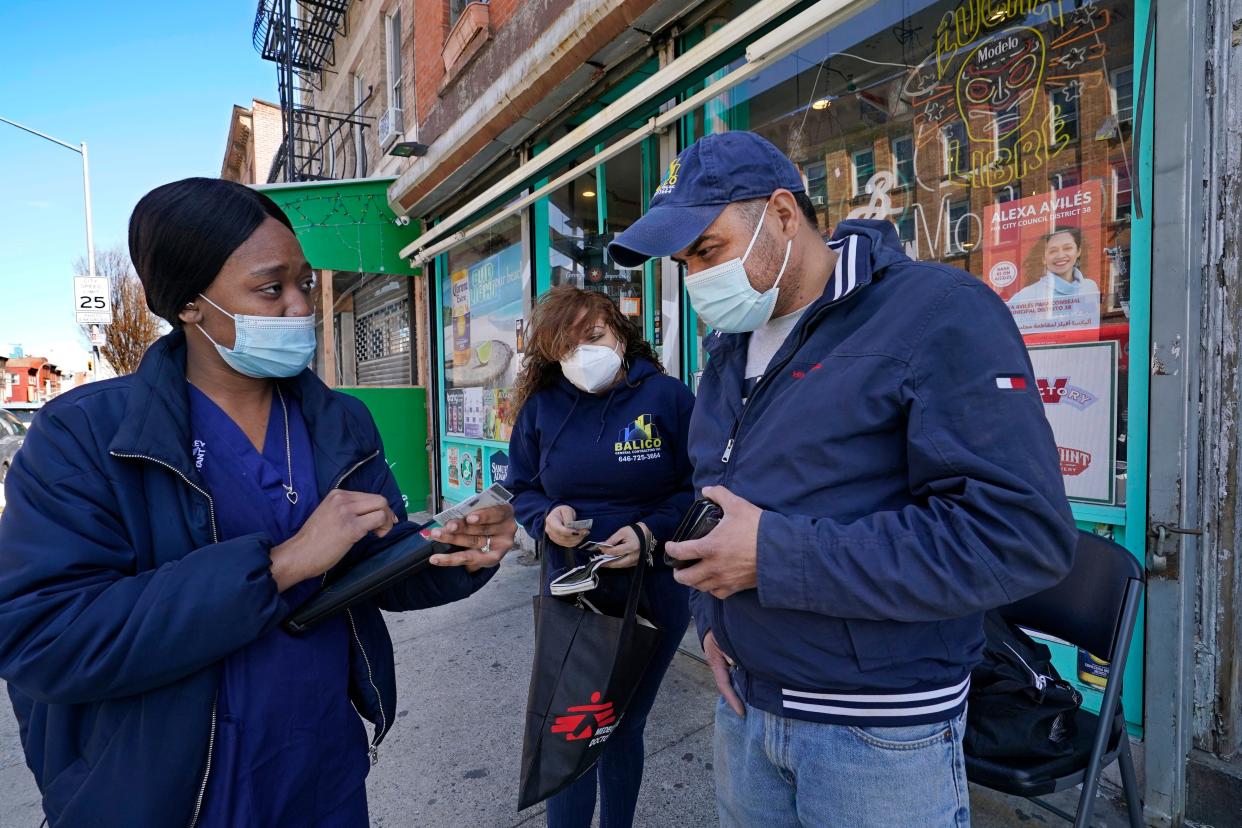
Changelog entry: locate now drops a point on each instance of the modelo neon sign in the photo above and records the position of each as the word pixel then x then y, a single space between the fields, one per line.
pixel 998 49
pixel 973 18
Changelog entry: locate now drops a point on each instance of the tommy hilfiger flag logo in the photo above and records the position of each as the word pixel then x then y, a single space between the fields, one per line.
pixel 1011 382
pixel 597 719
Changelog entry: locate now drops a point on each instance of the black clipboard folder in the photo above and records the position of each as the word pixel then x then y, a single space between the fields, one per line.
pixel 407 556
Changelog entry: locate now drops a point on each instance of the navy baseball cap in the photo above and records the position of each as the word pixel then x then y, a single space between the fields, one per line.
pixel 708 176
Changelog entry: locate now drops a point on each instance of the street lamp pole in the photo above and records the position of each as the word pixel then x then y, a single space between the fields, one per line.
pixel 90 227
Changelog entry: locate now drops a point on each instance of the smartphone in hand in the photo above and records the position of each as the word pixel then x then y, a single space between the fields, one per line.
pixel 702 518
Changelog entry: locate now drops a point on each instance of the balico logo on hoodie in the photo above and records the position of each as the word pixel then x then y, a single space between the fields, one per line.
pixel 640 440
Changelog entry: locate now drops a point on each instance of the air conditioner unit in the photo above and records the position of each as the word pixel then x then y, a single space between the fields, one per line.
pixel 390 127
pixel 818 200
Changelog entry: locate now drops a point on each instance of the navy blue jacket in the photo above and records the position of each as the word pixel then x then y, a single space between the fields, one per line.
pixel 905 490
pixel 118 601
pixel 617 458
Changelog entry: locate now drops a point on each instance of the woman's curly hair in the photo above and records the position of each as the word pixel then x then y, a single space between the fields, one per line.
pixel 560 320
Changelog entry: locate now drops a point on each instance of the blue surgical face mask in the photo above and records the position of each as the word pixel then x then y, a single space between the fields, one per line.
pixel 724 298
pixel 267 347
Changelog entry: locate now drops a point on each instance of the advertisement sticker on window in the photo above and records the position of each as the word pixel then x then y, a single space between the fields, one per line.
pixel 1078 384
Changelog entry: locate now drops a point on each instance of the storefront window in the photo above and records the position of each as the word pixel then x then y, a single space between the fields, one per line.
pixel 864 168
pixel 998 142
pixel 903 160
pixel 485 289
pixel 573 228
pixel 1123 94
pixel 817 183
pixel 584 216
pixel 955 147
pixel 1065 114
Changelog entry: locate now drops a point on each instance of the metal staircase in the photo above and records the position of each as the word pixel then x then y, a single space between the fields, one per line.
pixel 299 37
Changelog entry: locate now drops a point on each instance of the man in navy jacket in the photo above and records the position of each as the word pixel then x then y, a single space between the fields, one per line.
pixel 871 428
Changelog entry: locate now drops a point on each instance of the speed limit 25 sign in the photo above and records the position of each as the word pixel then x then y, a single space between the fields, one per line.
pixel 92 300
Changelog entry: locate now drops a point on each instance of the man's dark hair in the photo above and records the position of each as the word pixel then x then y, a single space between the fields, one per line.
pixel 181 234
pixel 808 209
pixel 753 208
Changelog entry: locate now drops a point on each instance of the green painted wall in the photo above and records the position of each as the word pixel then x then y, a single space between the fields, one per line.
pixel 346 225
pixel 401 415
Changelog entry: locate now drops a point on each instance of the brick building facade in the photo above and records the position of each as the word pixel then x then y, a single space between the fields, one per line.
pixel 254 137
pixel 30 380
pixel 489 77
pixel 471 81
pixel 371 76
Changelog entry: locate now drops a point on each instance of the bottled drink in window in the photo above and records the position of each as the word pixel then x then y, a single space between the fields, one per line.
pixel 520 335
pixel 461 318
pixel 478 465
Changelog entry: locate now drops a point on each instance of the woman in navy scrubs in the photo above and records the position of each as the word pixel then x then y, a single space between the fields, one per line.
pixel 600 434
pixel 161 526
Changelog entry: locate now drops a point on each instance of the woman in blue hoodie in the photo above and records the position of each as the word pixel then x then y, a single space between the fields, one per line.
pixel 161 525
pixel 600 434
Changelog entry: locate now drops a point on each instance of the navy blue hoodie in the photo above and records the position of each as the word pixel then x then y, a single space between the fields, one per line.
pixel 617 457
pixel 909 483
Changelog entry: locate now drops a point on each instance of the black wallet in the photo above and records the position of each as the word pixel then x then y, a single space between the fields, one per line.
pixel 409 555
pixel 701 519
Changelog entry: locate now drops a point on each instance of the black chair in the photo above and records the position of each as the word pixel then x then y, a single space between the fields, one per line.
pixel 1094 608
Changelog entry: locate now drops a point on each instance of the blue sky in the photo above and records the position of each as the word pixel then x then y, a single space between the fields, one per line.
pixel 149 86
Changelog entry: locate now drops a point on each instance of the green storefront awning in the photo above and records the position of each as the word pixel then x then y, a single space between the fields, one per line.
pixel 347 225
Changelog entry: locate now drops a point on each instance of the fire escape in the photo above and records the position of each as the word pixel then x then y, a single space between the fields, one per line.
pixel 298 36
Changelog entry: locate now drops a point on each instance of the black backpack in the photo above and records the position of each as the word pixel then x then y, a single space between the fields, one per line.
pixel 1019 705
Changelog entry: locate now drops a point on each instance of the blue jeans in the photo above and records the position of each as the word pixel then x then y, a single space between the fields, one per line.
pixel 775 772
pixel 619 772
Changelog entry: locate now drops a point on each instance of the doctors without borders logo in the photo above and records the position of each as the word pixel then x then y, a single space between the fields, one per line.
pixel 595 721
pixel 640 440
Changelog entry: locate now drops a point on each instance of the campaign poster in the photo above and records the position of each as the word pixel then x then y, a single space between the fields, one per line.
pixel 1078 384
pixel 1045 256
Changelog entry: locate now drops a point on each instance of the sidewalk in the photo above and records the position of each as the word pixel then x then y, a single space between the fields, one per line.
pixel 452 759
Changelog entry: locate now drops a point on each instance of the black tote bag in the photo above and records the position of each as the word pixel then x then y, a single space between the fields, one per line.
pixel 587 665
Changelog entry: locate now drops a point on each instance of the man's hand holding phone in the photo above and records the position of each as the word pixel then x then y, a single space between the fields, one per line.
pixel 725 560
